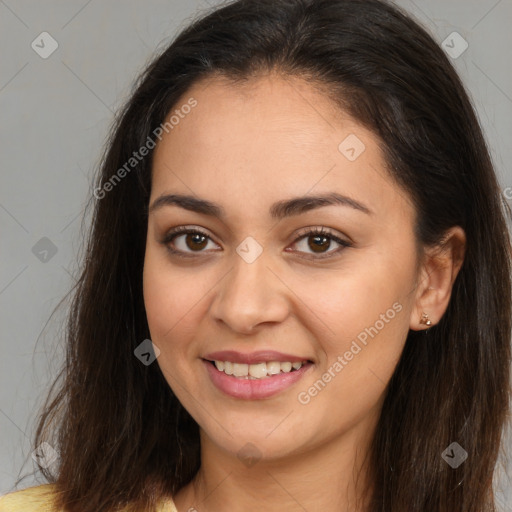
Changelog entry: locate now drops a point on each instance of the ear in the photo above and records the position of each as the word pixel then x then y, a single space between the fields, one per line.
pixel 438 270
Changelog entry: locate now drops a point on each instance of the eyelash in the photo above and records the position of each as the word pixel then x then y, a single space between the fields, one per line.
pixel 306 233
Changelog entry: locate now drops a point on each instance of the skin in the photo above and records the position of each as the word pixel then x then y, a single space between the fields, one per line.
pixel 246 147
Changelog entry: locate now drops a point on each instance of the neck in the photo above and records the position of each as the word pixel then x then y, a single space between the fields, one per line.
pixel 330 477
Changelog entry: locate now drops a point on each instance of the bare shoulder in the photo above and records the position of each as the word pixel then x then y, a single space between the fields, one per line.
pixel 38 498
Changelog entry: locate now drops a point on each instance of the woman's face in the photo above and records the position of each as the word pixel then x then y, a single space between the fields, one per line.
pixel 255 285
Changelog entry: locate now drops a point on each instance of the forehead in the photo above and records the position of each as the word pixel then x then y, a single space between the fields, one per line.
pixel 270 109
pixel 269 137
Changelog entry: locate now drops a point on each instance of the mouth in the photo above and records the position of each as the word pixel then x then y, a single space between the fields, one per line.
pixel 257 371
pixel 255 381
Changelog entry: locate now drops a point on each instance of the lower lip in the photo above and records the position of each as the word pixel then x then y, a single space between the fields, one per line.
pixel 254 389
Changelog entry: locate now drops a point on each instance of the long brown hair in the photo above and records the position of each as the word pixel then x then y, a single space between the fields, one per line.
pixel 124 438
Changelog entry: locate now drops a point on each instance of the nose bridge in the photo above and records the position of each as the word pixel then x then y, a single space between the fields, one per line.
pixel 251 293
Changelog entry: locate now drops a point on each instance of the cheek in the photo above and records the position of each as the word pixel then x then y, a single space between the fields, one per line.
pixel 365 314
pixel 367 328
pixel 345 304
pixel 176 300
pixel 171 301
pixel 168 297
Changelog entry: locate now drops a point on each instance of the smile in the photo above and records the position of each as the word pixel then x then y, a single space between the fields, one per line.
pixel 255 381
pixel 263 370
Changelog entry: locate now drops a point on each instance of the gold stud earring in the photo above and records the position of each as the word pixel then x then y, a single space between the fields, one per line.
pixel 425 319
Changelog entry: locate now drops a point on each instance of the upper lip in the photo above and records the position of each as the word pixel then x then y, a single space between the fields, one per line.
pixel 259 356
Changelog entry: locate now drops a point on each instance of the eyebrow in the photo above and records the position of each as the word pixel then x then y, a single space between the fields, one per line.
pixel 279 210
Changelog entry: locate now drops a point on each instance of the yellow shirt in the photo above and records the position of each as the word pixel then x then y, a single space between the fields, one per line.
pixel 39 499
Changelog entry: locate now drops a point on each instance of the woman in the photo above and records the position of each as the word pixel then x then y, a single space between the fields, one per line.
pixel 296 290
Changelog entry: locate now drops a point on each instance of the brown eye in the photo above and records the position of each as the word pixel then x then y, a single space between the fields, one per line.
pixel 318 243
pixel 185 241
pixel 195 241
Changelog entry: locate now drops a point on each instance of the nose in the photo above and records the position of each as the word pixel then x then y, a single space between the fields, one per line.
pixel 250 295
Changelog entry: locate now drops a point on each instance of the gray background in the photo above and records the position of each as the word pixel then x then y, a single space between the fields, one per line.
pixel 55 115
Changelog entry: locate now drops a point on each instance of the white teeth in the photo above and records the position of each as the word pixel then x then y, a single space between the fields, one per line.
pixel 273 368
pixel 228 368
pixel 258 370
pixel 240 370
pixel 286 367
